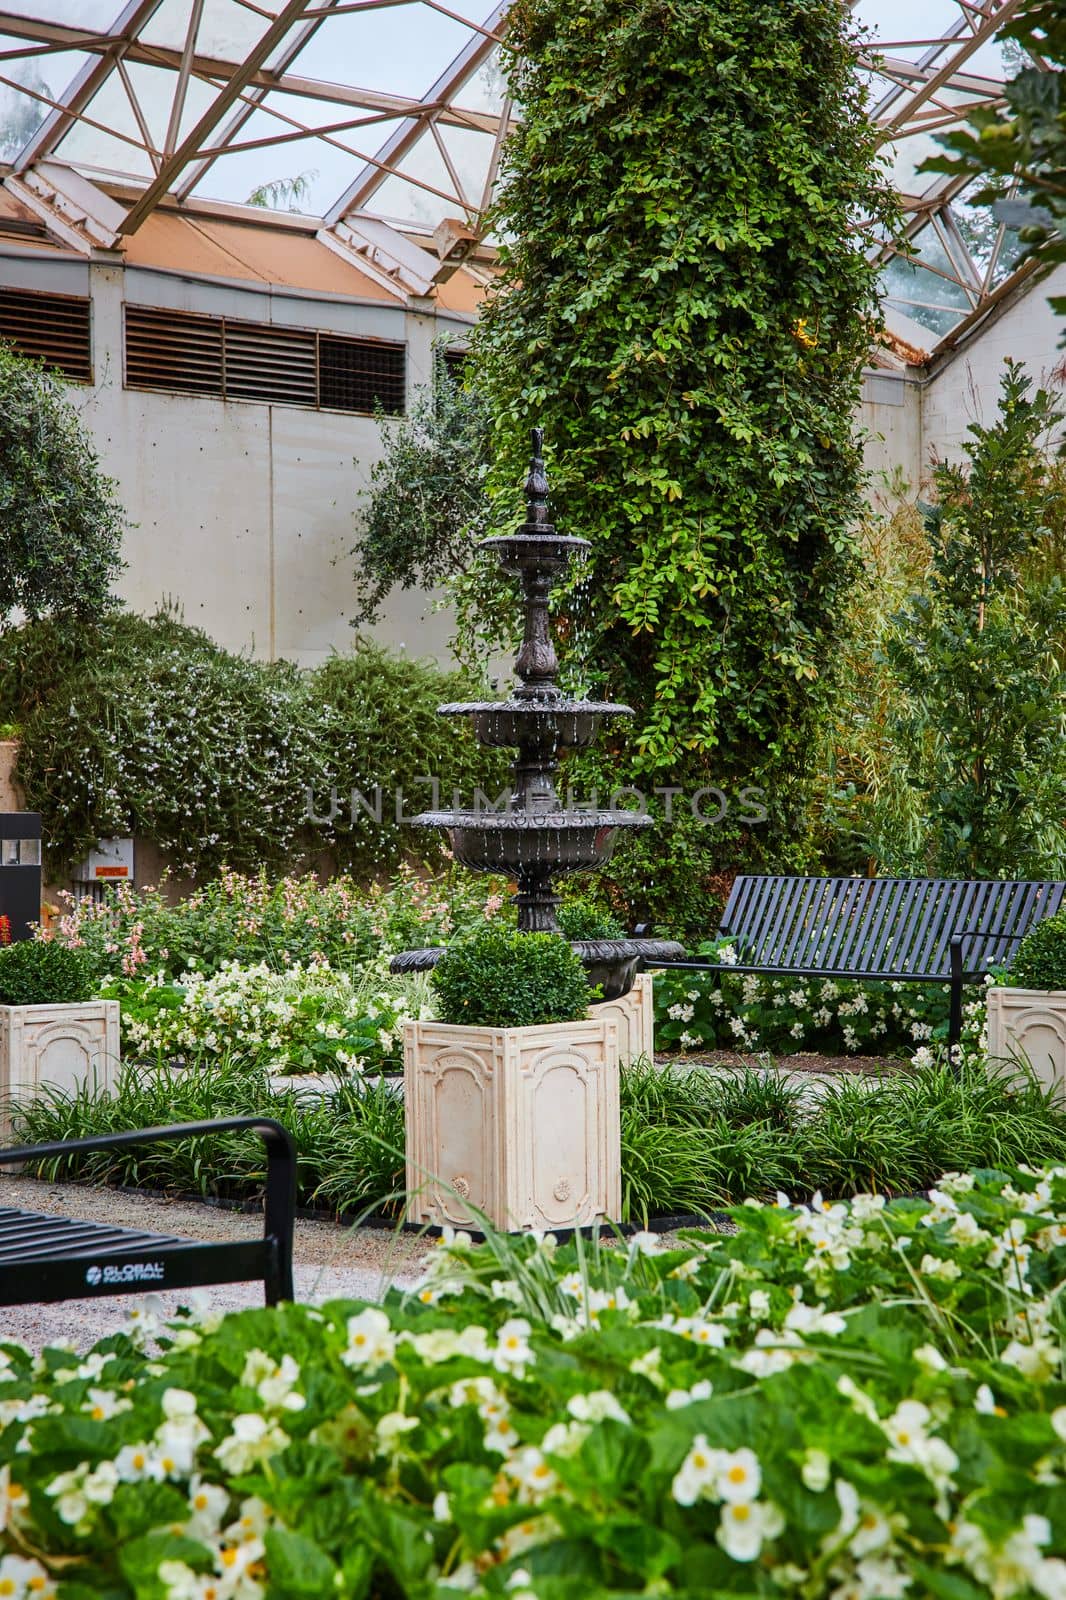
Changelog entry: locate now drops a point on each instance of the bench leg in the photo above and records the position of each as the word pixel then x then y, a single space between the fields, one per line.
pixel 955 1012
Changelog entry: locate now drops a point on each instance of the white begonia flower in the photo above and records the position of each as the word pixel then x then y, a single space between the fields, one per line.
pixel 816 1470
pixel 534 1478
pixel 22 1577
pixel 67 1490
pixel 860 1400
pixel 596 1406
pixel 944 1269
pixel 1038 1359
pixel 744 1527
pixel 1016 1564
pixel 759 1305
pixel 879 1578
pixel 371 1342
pixel 506 1289
pixel 696 1474
pixel 253 1439
pixel 773 1352
pixel 208 1504
pixel 812 1320
pixel 14 1500
pixel 929 1358
pixel 103 1404
pixel 442 1507
pixel 1058 1421
pixel 390 1430
pixel 984 1402
pixel 911 1442
pixel 677 1399
pixel 136 1463
pixel 513 1352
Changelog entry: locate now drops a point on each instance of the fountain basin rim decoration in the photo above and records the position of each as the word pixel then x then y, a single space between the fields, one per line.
pixel 544 724
pixel 525 821
pixel 534 709
pixel 611 964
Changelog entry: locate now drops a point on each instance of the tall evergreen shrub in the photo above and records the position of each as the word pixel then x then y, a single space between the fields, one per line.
pixel 686 307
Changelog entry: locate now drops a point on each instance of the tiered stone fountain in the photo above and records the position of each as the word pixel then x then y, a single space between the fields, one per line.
pixel 536 839
pixel 521 1125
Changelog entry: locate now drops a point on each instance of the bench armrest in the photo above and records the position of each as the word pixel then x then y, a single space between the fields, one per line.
pixel 280 1150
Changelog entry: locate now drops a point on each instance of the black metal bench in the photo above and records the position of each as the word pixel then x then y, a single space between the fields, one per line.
pixel 903 930
pixel 47 1258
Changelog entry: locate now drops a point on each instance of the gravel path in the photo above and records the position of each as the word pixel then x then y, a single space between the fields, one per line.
pixel 330 1262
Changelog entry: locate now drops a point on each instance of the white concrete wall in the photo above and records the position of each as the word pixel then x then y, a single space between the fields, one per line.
pixel 964 387
pixel 243 513
pixel 891 421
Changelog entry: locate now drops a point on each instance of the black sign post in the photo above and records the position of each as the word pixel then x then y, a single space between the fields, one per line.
pixel 20 871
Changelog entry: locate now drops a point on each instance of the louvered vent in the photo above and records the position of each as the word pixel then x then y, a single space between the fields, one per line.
pixel 186 353
pixel 173 350
pixel 358 375
pixel 269 363
pixel 53 328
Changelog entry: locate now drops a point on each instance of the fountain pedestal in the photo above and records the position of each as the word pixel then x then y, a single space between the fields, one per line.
pixel 517 1125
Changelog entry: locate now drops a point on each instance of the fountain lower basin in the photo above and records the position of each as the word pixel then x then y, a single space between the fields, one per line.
pixel 548 840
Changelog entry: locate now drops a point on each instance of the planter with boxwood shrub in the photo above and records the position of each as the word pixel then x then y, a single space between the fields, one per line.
pixel 512 1097
pixel 1027 1012
pixel 52 1032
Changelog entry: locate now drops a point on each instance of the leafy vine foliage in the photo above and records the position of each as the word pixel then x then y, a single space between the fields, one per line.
pixel 426 506
pixel 61 526
pixel 685 308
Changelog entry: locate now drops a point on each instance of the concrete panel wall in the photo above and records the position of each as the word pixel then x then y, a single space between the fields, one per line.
pixel 891 421
pixel 963 387
pixel 243 512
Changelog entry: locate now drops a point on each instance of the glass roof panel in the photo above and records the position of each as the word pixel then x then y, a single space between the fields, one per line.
pixel 402 48
pixel 81 13
pixel 227 29
pixel 311 124
pixel 22 112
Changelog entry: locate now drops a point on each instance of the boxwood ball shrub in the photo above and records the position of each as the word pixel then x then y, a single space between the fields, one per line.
pixel 43 973
pixel 504 979
pixel 1041 959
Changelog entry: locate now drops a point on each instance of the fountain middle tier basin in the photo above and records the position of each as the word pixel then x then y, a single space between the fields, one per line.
pixel 563 841
pixel 547 724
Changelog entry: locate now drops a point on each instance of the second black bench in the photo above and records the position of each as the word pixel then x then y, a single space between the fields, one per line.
pixel 903 930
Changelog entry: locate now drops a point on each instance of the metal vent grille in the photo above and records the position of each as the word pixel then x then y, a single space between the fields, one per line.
pixel 187 353
pixel 358 375
pixel 173 350
pixel 53 328
pixel 269 363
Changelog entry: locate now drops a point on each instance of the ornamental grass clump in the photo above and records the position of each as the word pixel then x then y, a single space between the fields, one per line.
pixel 860 1402
pixel 504 979
pixel 43 973
pixel 1041 959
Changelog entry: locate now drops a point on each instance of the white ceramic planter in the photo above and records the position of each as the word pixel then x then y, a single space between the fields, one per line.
pixel 62 1047
pixel 520 1123
pixel 1029 1025
pixel 635 1015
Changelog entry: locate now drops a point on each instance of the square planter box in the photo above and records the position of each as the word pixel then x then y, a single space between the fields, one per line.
pixel 62 1046
pixel 635 1015
pixel 1030 1025
pixel 522 1123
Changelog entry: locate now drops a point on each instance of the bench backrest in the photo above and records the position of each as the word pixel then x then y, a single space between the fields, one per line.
pixel 883 925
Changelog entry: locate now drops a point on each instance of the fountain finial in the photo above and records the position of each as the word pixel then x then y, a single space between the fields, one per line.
pixel 537 484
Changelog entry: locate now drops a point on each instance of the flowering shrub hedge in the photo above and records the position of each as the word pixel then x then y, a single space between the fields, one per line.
pixel 302 1019
pixel 857 1403
pixel 744 1011
pixel 250 920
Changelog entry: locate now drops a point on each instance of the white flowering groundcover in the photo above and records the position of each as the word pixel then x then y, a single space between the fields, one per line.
pixel 745 1011
pixel 302 1019
pixel 851 1402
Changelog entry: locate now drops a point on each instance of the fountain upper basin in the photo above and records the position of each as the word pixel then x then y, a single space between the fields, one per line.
pixel 559 724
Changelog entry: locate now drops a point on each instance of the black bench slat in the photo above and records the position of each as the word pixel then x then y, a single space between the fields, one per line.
pixel 928 930
pixel 39 1235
